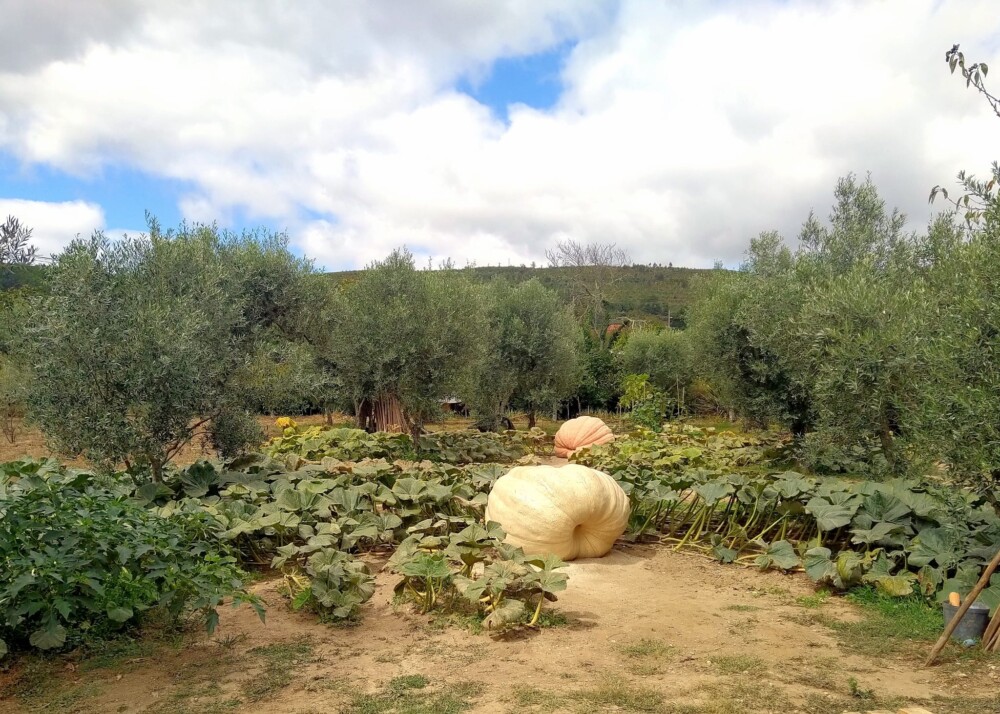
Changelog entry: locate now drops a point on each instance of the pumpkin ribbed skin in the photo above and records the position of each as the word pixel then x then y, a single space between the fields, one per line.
pixel 570 511
pixel 580 432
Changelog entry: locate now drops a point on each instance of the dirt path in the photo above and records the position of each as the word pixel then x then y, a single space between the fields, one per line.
pixel 646 629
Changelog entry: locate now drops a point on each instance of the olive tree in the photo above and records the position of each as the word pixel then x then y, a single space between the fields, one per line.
pixel 531 357
pixel 665 356
pixel 143 343
pixel 819 338
pixel 404 339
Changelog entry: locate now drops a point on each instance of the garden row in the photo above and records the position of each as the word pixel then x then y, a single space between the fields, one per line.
pixel 716 492
pixel 87 554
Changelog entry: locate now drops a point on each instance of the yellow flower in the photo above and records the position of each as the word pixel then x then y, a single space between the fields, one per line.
pixel 284 423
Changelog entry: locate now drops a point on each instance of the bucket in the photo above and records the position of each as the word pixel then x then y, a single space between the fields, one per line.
pixel 973 623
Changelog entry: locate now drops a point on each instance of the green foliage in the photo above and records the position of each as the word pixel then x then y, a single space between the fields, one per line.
pixel 647 292
pixel 81 561
pixel 454 447
pixel 958 416
pixel 406 334
pixel 474 570
pixel 15 246
pixel 600 377
pixel 142 342
pixel 531 357
pixel 14 386
pixel 718 492
pixel 334 583
pixel 852 336
pixel 647 403
pixel 665 357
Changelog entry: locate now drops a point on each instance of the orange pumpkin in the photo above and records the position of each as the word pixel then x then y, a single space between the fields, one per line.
pixel 580 432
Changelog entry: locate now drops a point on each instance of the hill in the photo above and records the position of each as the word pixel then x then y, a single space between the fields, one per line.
pixel 642 292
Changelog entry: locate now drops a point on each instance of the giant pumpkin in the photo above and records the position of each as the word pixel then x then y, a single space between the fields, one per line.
pixel 570 511
pixel 580 432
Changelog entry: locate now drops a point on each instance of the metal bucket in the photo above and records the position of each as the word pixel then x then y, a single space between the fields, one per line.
pixel 973 623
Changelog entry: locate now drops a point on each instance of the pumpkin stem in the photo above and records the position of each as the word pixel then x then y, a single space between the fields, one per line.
pixel 538 610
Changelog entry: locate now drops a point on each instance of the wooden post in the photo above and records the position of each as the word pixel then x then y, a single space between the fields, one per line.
pixel 992 635
pixel 963 608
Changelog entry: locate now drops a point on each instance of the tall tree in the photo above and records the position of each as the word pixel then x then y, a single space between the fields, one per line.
pixel 402 339
pixel 143 343
pixel 531 360
pixel 594 269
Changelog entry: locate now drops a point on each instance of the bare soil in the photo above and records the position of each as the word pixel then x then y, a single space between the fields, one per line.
pixel 646 629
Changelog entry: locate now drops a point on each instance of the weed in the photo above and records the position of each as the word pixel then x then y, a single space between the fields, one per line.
pixel 525 696
pixel 409 681
pixel 228 642
pixel 857 692
pixel 116 653
pixel 815 600
pixel 740 664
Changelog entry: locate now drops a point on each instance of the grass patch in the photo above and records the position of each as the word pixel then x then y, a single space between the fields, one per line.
pixel 69 699
pixel 279 661
pixel 646 648
pixel 888 624
pixel 742 608
pixel 813 601
pixel 646 656
pixel 412 694
pixel 739 664
pixel 526 697
pixel 738 696
pixel 623 695
pixel 116 654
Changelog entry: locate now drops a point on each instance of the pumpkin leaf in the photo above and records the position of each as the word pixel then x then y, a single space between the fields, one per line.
pixel 779 554
pixel 819 565
pixel 829 516
pixel 49 637
pixel 724 554
pixel 548 581
pixel 120 614
pixel 899 585
pixel 508 613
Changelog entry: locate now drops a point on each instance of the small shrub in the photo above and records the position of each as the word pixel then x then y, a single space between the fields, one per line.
pixel 81 562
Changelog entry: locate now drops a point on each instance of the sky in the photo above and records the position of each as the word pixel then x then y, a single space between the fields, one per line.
pixel 484 132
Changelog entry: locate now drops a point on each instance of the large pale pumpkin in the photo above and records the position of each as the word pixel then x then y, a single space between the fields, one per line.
pixel 570 511
pixel 580 432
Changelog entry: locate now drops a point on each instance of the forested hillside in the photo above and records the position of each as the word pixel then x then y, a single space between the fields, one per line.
pixel 643 292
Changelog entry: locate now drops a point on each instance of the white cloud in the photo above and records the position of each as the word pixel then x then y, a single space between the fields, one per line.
pixel 684 128
pixel 54 225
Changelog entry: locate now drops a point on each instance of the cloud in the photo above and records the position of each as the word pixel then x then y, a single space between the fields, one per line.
pixel 682 130
pixel 54 225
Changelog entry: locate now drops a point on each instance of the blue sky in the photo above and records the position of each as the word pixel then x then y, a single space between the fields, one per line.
pixel 126 193
pixel 533 80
